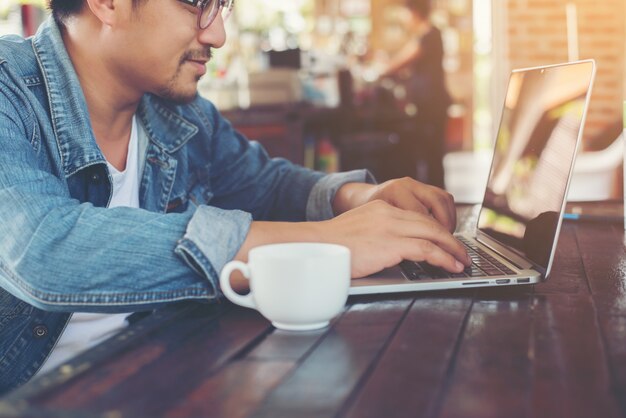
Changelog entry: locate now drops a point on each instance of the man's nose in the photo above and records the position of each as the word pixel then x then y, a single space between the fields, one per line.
pixel 214 35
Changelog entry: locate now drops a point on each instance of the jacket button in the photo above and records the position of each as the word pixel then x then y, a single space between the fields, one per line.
pixel 40 331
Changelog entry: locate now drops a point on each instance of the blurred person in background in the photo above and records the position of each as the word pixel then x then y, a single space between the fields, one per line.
pixel 418 64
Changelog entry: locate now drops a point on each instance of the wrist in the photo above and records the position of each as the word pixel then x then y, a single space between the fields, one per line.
pixel 263 233
pixel 350 196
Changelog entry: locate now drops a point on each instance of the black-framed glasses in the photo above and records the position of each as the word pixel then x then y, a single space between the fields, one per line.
pixel 209 9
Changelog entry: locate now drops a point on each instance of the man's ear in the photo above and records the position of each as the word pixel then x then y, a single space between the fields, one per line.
pixel 103 10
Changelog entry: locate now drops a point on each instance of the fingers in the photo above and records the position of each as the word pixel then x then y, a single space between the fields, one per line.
pixel 431 232
pixel 381 235
pixel 409 194
pixel 422 250
pixel 407 224
pixel 438 202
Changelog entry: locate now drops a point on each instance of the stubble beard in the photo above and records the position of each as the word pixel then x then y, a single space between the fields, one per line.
pixel 172 90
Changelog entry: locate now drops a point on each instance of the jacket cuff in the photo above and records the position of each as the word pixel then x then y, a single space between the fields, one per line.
pixel 319 206
pixel 212 239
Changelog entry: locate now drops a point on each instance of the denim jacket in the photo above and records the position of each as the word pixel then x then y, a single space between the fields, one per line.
pixel 62 250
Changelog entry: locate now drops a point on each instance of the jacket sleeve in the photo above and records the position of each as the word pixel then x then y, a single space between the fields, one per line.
pixel 245 177
pixel 58 254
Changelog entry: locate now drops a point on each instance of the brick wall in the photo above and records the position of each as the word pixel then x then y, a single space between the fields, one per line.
pixel 536 33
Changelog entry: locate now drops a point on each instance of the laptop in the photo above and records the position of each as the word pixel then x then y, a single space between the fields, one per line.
pixel 514 238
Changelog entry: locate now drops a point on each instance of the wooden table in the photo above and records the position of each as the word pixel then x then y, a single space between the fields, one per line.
pixel 557 349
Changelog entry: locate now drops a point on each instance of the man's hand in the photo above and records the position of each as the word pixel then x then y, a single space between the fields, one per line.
pixel 380 235
pixel 405 193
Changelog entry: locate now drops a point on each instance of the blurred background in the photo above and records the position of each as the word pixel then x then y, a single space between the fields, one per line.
pixel 307 79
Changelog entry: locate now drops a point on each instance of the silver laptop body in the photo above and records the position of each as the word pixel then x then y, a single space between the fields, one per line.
pixel 522 210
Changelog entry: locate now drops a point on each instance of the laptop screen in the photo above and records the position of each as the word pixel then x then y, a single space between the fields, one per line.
pixel 534 152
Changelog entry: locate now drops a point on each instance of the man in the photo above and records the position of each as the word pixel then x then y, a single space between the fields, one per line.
pixel 121 190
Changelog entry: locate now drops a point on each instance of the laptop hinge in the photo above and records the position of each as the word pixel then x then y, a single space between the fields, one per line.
pixel 518 260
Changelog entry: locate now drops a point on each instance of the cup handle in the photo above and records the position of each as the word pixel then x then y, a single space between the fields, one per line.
pixel 243 300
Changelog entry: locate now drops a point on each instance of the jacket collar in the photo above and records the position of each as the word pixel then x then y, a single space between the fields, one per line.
pixel 165 125
pixel 68 109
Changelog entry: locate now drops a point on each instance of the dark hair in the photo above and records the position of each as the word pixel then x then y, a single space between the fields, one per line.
pixel 63 9
pixel 421 7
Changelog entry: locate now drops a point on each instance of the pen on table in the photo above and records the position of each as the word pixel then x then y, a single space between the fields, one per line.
pixel 594 218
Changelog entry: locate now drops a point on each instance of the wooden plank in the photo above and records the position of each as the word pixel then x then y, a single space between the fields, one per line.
pixel 568 274
pixel 147 380
pixel 570 374
pixel 286 345
pixel 413 369
pixel 324 380
pixel 234 392
pixel 491 375
pixel 603 255
pixel 602 252
pixel 614 331
pixel 238 389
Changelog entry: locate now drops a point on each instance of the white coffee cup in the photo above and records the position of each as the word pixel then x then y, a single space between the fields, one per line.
pixel 297 286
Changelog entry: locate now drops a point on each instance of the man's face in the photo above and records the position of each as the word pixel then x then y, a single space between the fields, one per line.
pixel 160 49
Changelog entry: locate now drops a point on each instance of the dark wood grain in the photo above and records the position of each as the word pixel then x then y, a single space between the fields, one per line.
pixel 239 389
pixel 614 330
pixel 570 370
pixel 604 259
pixel 602 253
pixel 286 345
pixel 233 392
pixel 144 381
pixel 323 381
pixel 492 370
pixel 412 372
pixel 568 274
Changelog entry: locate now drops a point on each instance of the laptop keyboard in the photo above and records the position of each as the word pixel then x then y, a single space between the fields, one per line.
pixel 483 264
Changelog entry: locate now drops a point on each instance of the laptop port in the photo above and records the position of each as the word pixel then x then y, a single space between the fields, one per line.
pixel 525 280
pixel 503 281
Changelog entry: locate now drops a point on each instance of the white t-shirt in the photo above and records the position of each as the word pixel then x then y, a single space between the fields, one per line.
pixel 84 330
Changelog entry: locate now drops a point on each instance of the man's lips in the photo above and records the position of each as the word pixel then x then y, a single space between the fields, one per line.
pixel 199 64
